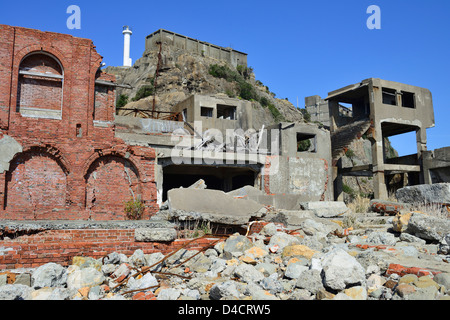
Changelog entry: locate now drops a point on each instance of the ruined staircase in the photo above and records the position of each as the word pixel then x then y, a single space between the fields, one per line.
pixel 342 138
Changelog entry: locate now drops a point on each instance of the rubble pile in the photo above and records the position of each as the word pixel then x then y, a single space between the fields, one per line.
pixel 314 258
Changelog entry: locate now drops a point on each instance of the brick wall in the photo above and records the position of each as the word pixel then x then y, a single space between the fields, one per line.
pixel 72 168
pixel 60 246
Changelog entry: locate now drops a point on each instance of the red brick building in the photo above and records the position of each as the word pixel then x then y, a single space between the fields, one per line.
pixel 60 158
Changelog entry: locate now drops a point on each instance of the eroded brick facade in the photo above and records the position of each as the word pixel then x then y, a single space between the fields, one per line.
pixel 58 105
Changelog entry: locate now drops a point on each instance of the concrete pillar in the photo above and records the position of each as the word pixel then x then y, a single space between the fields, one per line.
pixel 379 182
pixel 421 140
pixel 337 182
pixel 333 108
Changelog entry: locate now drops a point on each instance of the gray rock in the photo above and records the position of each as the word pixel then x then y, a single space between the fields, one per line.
pixel 3 279
pixel 155 234
pixel 87 277
pixel 148 280
pixel 237 243
pixel 428 227
pixel 282 239
pixel 294 270
pixel 248 273
pixel 341 270
pixel 49 275
pixel 379 237
pixel 272 284
pixel 301 294
pixel 258 293
pixel 137 259
pixel 425 193
pixel 154 258
pixel 326 209
pixel 62 294
pixel 428 293
pixel 410 238
pixel 312 227
pixel 23 278
pixel 169 294
pixel 225 289
pixel 443 279
pixel 310 280
pixel 444 245
pixel 266 268
pixel 15 292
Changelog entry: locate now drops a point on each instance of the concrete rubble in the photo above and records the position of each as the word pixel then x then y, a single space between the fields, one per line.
pixel 294 255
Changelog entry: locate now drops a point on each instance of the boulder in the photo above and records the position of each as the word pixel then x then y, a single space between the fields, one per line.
pixel 428 227
pixel 310 280
pixel 280 240
pixel 341 270
pixel 15 292
pixel 425 193
pixel 326 209
pixel 248 273
pixel 87 277
pixel 237 243
pixel 226 289
pixel 49 275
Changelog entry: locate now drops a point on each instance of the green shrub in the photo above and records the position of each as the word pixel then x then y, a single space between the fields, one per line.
pixel 348 189
pixel 264 101
pixel 306 115
pixel 122 101
pixel 144 92
pixel 275 113
pixel 134 209
pixel 303 145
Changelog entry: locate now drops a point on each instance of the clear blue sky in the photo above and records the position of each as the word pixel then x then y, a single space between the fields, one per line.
pixel 297 48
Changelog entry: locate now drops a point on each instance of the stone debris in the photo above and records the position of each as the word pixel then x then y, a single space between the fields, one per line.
pixel 425 193
pixel 316 258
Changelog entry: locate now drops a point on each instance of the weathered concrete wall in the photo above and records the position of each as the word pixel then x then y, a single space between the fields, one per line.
pixel 178 41
pixel 307 174
pixel 194 104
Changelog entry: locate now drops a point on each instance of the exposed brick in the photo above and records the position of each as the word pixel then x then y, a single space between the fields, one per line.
pixel 69 169
pixel 54 246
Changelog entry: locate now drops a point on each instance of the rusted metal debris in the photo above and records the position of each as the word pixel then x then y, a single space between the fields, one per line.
pixel 146 269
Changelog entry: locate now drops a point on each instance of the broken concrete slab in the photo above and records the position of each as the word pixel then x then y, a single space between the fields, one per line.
pixel 155 234
pixel 326 209
pixel 211 205
pixel 425 193
pixel 245 192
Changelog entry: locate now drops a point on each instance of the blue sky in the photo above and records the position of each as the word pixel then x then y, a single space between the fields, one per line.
pixel 297 48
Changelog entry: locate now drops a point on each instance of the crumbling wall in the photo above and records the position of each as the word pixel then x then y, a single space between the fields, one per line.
pixel 64 167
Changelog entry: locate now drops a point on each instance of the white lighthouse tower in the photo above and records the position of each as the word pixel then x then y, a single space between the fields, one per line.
pixel 126 46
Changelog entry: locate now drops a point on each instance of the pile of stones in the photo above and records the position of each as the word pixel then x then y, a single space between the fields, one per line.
pixel 314 262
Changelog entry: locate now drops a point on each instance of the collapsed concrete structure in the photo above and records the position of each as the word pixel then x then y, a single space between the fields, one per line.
pixel 378 109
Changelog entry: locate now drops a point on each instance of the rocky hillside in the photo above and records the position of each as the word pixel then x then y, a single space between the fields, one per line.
pixel 182 74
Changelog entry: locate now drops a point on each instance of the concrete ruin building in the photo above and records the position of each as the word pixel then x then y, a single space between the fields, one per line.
pixel 378 109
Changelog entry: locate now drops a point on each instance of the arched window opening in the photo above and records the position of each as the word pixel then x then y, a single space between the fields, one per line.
pixel 40 87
